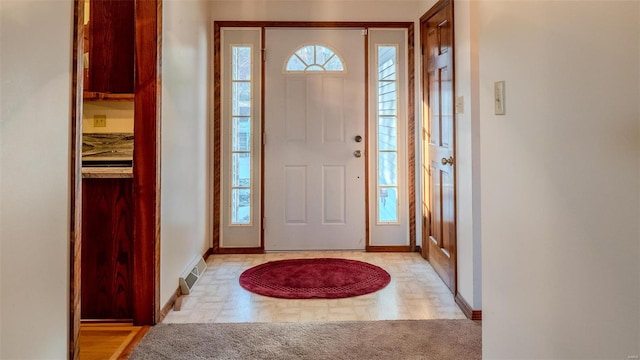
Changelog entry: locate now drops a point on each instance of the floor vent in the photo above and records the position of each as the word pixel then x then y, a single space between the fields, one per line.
pixel 189 279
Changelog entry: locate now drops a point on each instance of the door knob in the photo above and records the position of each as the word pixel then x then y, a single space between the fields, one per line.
pixel 357 153
pixel 358 138
pixel 446 161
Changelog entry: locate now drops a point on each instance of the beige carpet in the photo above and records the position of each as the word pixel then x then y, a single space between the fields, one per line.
pixel 398 339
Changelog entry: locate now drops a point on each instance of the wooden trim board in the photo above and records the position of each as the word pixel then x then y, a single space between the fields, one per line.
pixel 467 310
pixel 75 181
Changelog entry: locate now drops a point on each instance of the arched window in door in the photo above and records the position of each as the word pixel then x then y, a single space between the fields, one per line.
pixel 314 57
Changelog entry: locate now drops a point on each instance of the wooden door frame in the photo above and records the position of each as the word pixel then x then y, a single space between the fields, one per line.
pixel 217 150
pixel 441 4
pixel 146 172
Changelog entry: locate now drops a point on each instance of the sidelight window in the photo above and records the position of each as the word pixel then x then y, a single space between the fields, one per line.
pixel 387 131
pixel 241 134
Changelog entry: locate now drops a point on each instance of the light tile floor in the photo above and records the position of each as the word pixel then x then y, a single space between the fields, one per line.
pixel 415 292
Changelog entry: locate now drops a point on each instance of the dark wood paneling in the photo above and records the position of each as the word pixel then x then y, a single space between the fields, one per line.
pixel 111 46
pixel 467 310
pixel 146 160
pixel 367 202
pixel 411 142
pixel 75 182
pixel 107 239
pixel 217 136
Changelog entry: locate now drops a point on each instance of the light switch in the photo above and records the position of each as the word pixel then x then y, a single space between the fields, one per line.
pixel 99 120
pixel 460 105
pixel 499 99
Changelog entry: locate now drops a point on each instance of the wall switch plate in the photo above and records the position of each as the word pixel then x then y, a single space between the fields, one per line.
pixel 460 105
pixel 99 120
pixel 499 101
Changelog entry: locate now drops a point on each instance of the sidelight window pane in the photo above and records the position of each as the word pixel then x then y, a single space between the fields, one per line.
pixel 241 98
pixel 241 170
pixel 388 209
pixel 241 206
pixel 241 130
pixel 241 63
pixel 387 134
pixel 241 134
pixel 387 168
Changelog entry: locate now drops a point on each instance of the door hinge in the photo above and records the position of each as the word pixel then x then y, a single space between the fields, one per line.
pixel 365 32
pixel 263 223
pixel 264 55
pixel 264 138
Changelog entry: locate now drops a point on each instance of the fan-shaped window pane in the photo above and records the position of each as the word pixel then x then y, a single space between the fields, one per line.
pixel 314 58
pixel 295 64
pixel 334 64
pixel 315 68
pixel 306 54
pixel 322 54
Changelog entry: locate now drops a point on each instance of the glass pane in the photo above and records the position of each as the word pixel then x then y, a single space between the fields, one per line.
pixel 241 169
pixel 387 138
pixel 386 87
pixel 388 205
pixel 322 54
pixel 295 64
pixel 334 64
pixel 240 206
pixel 241 63
pixel 386 53
pixel 387 165
pixel 306 54
pixel 387 106
pixel 315 68
pixel 387 97
pixel 241 134
pixel 241 98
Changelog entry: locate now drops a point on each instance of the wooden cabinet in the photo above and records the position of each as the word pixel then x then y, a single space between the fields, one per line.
pixel 111 46
pixel 107 239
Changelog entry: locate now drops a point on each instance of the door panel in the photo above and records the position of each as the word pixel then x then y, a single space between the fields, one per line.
pixel 437 37
pixel 314 185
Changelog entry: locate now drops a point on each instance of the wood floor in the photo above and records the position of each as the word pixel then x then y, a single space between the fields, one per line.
pixel 109 340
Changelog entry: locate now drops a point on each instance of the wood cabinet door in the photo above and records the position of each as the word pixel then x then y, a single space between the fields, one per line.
pixel 107 238
pixel 111 41
pixel 438 84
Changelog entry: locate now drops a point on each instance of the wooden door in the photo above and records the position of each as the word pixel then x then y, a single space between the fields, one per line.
pixel 314 167
pixel 438 122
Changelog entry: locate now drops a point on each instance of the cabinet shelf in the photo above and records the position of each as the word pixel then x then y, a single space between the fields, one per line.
pixel 101 96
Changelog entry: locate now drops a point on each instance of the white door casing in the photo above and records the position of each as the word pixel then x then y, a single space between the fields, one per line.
pixel 314 185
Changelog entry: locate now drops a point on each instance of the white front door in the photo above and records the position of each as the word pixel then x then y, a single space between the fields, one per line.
pixel 314 183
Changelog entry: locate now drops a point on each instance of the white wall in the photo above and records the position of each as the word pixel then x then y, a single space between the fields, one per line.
pixel 468 153
pixel 318 10
pixel 185 114
pixel 35 56
pixel 560 179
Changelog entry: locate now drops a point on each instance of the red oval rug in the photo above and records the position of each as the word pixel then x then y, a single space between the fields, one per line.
pixel 325 278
